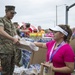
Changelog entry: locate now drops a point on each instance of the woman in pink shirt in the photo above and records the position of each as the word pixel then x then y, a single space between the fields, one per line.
pixel 59 51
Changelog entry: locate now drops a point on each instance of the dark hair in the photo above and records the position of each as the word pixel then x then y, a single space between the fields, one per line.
pixel 68 30
pixel 21 27
pixel 15 23
pixel 35 30
pixel 27 25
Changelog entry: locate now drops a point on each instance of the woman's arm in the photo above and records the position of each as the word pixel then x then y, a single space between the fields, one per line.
pixel 39 44
pixel 67 69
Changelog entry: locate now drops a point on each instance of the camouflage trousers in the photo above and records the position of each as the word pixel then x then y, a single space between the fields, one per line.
pixel 17 56
pixel 7 64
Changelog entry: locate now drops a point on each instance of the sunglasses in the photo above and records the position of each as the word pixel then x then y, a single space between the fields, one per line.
pixel 13 13
pixel 55 31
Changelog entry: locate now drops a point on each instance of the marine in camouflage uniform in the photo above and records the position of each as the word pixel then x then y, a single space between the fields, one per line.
pixel 7 48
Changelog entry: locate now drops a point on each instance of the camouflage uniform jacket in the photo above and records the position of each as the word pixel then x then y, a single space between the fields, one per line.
pixel 6 45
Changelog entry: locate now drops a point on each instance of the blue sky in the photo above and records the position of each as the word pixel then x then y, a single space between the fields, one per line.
pixel 40 12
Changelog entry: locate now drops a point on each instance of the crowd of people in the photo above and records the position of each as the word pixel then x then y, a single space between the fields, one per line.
pixel 59 52
pixel 25 30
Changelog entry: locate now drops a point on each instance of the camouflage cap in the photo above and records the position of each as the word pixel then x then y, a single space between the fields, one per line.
pixel 9 7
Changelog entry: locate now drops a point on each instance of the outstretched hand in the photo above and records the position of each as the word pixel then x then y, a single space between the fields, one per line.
pixel 47 64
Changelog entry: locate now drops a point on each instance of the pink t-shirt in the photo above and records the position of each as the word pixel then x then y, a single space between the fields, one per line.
pixel 64 54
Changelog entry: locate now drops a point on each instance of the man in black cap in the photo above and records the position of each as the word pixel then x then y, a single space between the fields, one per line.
pixel 7 48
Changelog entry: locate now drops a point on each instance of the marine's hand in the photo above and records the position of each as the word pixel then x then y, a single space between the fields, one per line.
pixel 16 41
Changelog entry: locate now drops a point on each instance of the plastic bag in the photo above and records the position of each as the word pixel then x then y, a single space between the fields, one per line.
pixel 33 46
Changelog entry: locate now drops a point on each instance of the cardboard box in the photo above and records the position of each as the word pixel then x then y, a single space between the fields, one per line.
pixel 37 57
